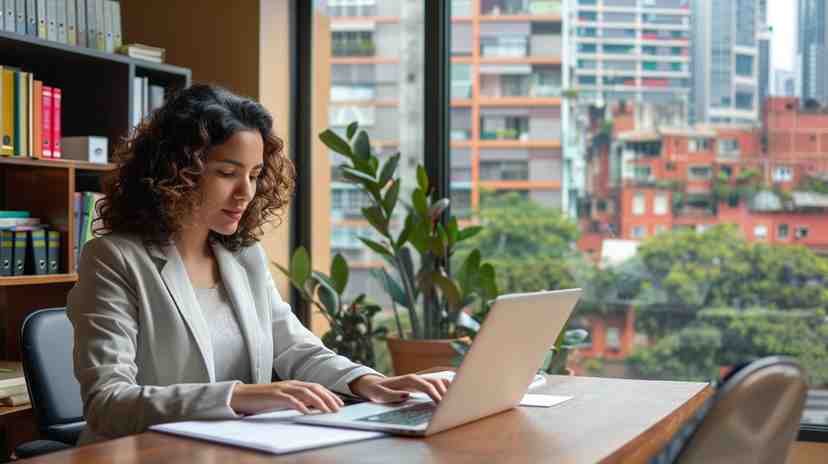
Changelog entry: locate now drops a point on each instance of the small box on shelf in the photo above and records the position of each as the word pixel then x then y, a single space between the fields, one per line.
pixel 89 148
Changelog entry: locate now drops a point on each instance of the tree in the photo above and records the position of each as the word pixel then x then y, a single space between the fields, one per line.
pixel 529 245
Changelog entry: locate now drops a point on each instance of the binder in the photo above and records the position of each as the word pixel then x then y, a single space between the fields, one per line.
pixel 10 17
pixel 100 32
pixel 7 147
pixel 46 131
pixel 42 19
pixel 107 20
pixel 31 17
pixel 21 116
pixel 117 37
pixel 91 24
pixel 30 114
pixel 20 17
pixel 37 119
pixel 19 256
pixel 56 115
pixel 6 252
pixel 60 20
pixel 53 252
pixel 51 20
pixel 80 19
pixel 39 261
pixel 77 214
pixel 71 23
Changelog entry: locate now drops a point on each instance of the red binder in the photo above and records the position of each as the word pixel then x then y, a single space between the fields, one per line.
pixel 56 97
pixel 46 133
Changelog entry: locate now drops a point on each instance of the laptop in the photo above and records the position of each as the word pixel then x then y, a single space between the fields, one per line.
pixel 493 377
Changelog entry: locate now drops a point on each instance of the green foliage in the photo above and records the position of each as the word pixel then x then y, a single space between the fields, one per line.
pixel 689 354
pixel 352 331
pixel 813 184
pixel 435 301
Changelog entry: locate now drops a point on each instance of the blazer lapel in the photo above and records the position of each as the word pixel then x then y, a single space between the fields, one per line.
pixel 181 290
pixel 238 288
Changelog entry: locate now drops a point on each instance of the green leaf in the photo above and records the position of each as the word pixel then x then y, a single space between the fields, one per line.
pixel 406 232
pixel 437 208
pixel 422 178
pixel 391 196
pixel 328 298
pixel 418 199
pixel 419 235
pixel 469 232
pixel 376 247
pixel 351 130
pixel 300 266
pixel 488 282
pixel 436 246
pixel 339 273
pixel 469 271
pixel 373 162
pixel 391 286
pixel 389 169
pixel 335 142
pixel 449 289
pixel 356 176
pixel 362 146
pixel 375 217
pixel 453 231
pixel 408 264
pixel 286 272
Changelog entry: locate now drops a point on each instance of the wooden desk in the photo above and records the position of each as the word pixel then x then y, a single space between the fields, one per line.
pixel 607 421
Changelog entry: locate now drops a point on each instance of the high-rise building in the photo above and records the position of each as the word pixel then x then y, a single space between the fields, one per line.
pixel 784 83
pixel 635 50
pixel 726 61
pixel 505 110
pixel 812 49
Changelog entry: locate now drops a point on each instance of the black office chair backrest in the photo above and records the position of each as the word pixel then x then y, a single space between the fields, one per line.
pixel 46 350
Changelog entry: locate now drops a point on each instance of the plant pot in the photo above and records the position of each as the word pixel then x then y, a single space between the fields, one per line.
pixel 409 356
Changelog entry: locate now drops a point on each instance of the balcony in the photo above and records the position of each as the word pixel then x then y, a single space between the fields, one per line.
pixel 519 7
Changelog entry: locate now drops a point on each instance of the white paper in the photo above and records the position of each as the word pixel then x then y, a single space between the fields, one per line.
pixel 543 401
pixel 272 432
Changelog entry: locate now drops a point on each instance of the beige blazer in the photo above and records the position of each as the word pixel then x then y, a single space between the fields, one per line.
pixel 143 353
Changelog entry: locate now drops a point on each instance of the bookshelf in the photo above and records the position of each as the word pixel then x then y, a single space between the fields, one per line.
pixel 97 100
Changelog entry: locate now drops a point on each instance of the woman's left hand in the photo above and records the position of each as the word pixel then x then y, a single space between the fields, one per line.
pixel 396 389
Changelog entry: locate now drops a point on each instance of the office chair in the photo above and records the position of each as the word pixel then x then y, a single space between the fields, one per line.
pixel 752 418
pixel 46 350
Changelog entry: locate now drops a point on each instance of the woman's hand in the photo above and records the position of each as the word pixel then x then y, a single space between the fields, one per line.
pixel 292 394
pixel 395 389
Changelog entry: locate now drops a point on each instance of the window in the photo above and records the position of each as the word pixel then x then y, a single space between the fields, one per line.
pixel 782 174
pixel 744 65
pixel 782 232
pixel 639 207
pixel 728 146
pixel 698 144
pixel 801 232
pixel 760 232
pixel 744 100
pixel 613 338
pixel 639 232
pixel 642 173
pixel 660 204
pixel 699 172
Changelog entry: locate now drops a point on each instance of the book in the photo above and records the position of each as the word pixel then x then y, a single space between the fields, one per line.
pixel 21 240
pixel 156 97
pixel 39 261
pixel 14 214
pixel 7 147
pixel 31 17
pixel 107 23
pixel 144 52
pixel 20 17
pixel 21 113
pixel 60 20
pixel 117 37
pixel 14 222
pixel 11 374
pixel 37 119
pixel 6 252
pixel 46 130
pixel 57 96
pixel 10 19
pixel 77 207
pixel 137 101
pixel 13 390
pixel 100 32
pixel 51 20
pixel 91 24
pixel 15 400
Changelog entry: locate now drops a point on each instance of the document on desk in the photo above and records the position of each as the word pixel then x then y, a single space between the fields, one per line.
pixel 272 432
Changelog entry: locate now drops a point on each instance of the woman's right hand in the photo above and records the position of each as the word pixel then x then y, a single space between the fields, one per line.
pixel 291 394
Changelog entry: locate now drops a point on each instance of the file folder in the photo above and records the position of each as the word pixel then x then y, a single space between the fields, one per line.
pixel 39 263
pixel 53 252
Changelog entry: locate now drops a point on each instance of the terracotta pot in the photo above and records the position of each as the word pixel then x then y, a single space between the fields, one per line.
pixel 409 356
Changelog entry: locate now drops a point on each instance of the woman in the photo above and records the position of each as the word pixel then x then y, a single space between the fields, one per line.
pixel 175 313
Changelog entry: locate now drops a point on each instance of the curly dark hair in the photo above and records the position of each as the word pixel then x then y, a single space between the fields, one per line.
pixel 155 185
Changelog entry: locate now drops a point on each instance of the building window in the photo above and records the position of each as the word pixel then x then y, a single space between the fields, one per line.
pixel 744 65
pixel 782 232
pixel 639 206
pixel 613 339
pixel 698 144
pixel 782 174
pixel 639 232
pixel 801 232
pixel 699 172
pixel 744 100
pixel 760 232
pixel 729 146
pixel 660 204
pixel 642 173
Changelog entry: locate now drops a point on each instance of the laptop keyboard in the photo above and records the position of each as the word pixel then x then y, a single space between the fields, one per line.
pixel 415 415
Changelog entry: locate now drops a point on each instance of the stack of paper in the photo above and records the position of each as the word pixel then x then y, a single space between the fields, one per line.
pixel 272 432
pixel 12 384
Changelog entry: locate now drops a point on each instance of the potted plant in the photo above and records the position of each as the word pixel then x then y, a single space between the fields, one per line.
pixel 435 299
pixel 567 342
pixel 351 331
